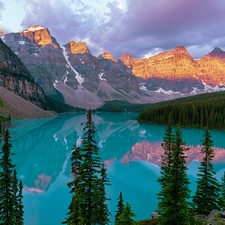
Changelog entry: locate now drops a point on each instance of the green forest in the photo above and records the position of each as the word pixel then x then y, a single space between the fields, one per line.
pixel 206 110
pixel 89 200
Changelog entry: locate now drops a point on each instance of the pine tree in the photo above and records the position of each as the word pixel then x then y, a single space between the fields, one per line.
pixel 126 217
pixel 75 214
pixel 6 182
pixel 166 162
pixel 223 192
pixel 88 186
pixel 175 209
pixel 90 171
pixel 15 190
pixel 102 198
pixel 120 206
pixel 207 196
pixel 19 216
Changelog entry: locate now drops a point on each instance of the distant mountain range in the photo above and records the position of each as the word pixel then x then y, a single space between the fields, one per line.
pixel 71 74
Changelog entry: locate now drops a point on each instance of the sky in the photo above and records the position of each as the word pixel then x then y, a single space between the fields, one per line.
pixel 141 27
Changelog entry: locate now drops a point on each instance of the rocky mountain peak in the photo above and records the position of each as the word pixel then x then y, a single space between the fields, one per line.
pixel 77 47
pixel 107 55
pixel 127 59
pixel 180 50
pixel 40 35
pixel 2 32
pixel 217 52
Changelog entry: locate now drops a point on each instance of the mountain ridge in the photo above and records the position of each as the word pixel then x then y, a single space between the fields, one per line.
pixel 72 70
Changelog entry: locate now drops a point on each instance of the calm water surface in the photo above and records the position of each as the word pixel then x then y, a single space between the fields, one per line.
pixel 130 150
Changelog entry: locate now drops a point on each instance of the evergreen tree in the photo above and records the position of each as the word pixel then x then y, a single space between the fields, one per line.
pixel 75 214
pixel 166 162
pixel 126 217
pixel 88 186
pixel 102 205
pixel 17 200
pixel 120 206
pixel 207 196
pixel 15 192
pixel 20 213
pixel 223 192
pixel 90 171
pixel 174 208
pixel 6 182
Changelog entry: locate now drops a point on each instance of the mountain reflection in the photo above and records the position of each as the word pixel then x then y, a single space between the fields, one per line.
pixel 43 147
pixel 151 152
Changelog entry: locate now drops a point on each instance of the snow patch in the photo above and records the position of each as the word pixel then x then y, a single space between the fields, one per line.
pixel 142 87
pixel 81 60
pixel 209 88
pixel 65 79
pixel 34 28
pixel 194 92
pixel 80 80
pixel 55 84
pixel 35 54
pixel 3 38
pixel 161 90
pixel 100 76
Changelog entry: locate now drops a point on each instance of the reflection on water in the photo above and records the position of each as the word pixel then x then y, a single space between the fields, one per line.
pixel 130 150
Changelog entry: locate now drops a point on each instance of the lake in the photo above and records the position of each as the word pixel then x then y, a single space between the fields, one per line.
pixel 130 150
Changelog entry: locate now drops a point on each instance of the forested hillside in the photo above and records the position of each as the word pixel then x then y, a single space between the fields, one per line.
pixel 206 110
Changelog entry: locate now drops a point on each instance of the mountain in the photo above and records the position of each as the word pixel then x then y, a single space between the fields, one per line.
pixel 19 108
pixel 83 80
pixel 177 71
pixel 15 77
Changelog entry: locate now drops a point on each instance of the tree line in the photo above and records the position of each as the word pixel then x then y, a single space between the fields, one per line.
pixel 204 111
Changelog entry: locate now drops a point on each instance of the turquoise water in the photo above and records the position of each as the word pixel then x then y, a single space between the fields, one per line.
pixel 130 150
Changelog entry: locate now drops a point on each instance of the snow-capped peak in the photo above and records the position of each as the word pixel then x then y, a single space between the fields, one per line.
pixel 34 28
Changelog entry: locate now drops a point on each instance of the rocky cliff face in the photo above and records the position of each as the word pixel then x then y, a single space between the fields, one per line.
pixel 77 48
pixel 107 55
pixel 177 71
pixel 82 79
pixel 15 77
pixel 85 80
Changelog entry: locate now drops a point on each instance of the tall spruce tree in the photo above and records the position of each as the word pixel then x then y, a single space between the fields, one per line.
pixel 75 215
pixel 120 206
pixel 126 217
pixel 11 206
pixel 207 196
pixel 20 212
pixel 166 162
pixel 175 208
pixel 15 200
pixel 88 186
pixel 102 205
pixel 223 192
pixel 6 182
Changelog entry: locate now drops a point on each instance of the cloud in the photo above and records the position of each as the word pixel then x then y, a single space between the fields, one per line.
pixel 1 7
pixel 63 22
pixel 140 27
pixel 162 24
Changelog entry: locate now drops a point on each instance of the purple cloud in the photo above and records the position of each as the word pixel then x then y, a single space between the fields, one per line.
pixel 140 29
